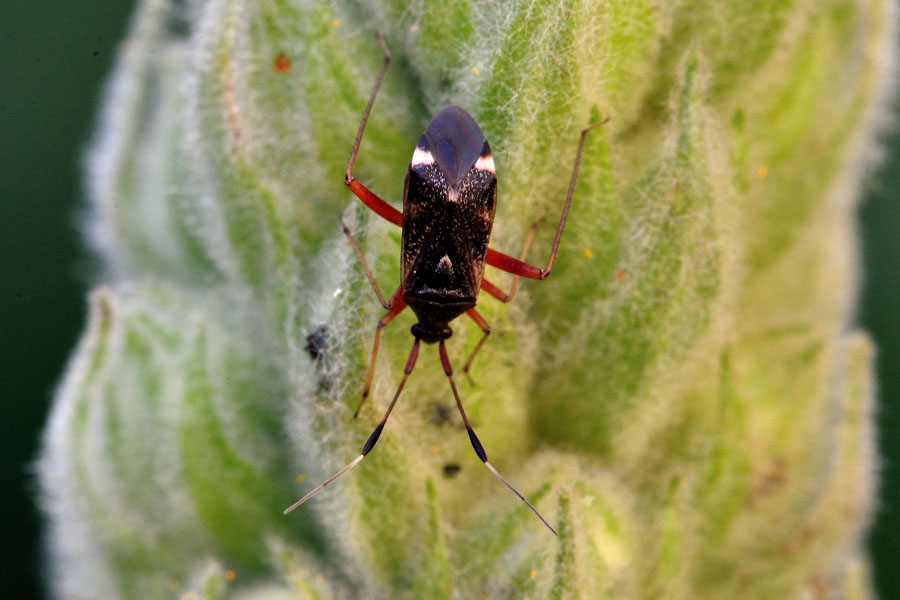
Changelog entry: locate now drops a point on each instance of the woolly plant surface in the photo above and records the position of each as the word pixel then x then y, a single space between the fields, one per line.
pixel 685 397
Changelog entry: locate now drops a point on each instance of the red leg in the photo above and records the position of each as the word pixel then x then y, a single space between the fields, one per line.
pixel 496 292
pixel 507 263
pixel 379 206
pixel 395 306
pixel 517 267
pixel 479 320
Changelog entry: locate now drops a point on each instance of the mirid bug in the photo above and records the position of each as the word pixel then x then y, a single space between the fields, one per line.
pixel 449 200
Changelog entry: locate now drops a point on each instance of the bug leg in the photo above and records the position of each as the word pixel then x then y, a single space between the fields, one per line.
pixel 476 443
pixel 479 320
pixel 495 291
pixel 379 206
pixel 365 265
pixel 395 306
pixel 373 438
pixel 519 267
pixel 365 118
pixel 500 295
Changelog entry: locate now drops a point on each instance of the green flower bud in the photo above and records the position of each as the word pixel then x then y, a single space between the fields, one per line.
pixel 685 398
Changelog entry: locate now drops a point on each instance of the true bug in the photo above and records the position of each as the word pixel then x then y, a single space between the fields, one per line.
pixel 449 200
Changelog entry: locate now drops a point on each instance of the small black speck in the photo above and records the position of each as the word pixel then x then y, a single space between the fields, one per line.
pixel 315 342
pixel 442 415
pixel 451 469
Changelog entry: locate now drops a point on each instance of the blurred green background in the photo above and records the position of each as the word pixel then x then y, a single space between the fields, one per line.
pixel 55 56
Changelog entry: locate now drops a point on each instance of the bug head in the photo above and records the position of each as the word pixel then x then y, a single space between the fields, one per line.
pixel 453 161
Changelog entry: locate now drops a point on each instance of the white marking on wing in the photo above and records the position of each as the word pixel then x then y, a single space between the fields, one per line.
pixel 485 163
pixel 421 157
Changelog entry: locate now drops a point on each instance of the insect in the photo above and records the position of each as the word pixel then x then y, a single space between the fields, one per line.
pixel 451 469
pixel 449 200
pixel 315 342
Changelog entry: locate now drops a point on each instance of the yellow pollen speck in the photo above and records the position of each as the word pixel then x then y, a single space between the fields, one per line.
pixel 762 171
pixel 532 573
pixel 475 70
pixel 301 477
pixel 414 27
pixel 588 252
pixel 436 448
pixel 230 575
pixel 336 23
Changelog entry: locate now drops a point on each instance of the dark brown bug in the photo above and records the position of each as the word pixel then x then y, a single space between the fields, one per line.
pixel 449 201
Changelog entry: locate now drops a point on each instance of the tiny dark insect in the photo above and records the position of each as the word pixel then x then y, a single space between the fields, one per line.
pixel 449 201
pixel 451 469
pixel 315 342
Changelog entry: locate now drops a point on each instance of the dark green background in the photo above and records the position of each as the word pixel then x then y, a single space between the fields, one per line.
pixel 53 58
pixel 54 55
pixel 879 312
